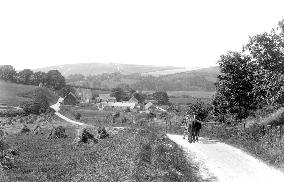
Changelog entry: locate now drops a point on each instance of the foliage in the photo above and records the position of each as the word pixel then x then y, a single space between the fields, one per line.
pixel 161 97
pixel 202 79
pixel 254 78
pixel 63 92
pixel 77 116
pixel 120 94
pixel 55 80
pixel 200 109
pixel 37 106
pixel 140 97
pixel 235 85
pixel 7 72
pixel 25 77
pixel 39 77
pixel 267 54
pixel 258 140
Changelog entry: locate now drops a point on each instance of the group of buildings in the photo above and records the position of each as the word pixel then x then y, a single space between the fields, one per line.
pixel 102 100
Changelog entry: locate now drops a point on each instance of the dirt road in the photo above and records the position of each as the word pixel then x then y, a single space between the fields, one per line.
pixel 221 162
pixel 56 107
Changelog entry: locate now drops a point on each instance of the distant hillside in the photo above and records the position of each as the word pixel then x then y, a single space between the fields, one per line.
pixel 195 80
pixel 100 68
pixel 13 94
pixel 168 72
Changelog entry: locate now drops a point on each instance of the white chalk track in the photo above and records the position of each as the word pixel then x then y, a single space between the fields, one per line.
pixel 221 162
pixel 56 107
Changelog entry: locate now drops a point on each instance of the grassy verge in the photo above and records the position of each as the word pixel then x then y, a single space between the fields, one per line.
pixel 160 159
pixel 263 144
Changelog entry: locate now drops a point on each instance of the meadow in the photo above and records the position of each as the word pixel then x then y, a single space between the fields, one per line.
pixel 10 93
pixel 139 152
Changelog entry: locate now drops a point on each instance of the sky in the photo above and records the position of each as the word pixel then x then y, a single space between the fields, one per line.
pixel 187 33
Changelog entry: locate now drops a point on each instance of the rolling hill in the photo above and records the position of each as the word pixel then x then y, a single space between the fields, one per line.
pixel 100 68
pixel 195 80
pixel 13 94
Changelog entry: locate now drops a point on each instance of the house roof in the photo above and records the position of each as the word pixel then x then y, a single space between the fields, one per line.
pixel 148 105
pixel 70 93
pixel 133 99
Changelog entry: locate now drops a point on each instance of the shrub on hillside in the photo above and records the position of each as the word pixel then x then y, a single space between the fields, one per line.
pixel 102 132
pixel 38 106
pixel 25 129
pixel 77 116
pixel 58 132
pixel 84 135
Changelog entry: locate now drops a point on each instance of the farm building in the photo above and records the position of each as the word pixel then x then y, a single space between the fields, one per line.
pixel 133 100
pixel 105 98
pixel 149 105
pixel 70 99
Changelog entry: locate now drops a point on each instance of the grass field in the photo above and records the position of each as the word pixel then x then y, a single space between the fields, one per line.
pixel 10 93
pixel 137 153
pixel 13 94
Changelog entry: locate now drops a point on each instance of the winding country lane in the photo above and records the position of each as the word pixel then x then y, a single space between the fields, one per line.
pixel 56 107
pixel 221 162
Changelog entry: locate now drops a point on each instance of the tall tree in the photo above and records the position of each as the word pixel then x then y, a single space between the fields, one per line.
pixel 25 76
pixel 161 97
pixel 39 77
pixel 267 52
pixel 119 94
pixel 235 84
pixel 55 80
pixel 7 72
pixel 140 97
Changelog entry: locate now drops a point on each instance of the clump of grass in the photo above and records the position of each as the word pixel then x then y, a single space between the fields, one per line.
pixel 161 159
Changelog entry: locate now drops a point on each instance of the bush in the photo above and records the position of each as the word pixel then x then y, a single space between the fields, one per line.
pixel 25 129
pixel 38 106
pixel 77 116
pixel 102 132
pixel 58 132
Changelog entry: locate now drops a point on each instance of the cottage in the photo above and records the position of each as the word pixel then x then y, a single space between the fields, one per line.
pixel 133 100
pixel 70 99
pixel 149 106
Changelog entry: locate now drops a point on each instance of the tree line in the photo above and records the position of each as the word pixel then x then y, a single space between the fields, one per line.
pixel 52 79
pixel 253 78
pixel 191 81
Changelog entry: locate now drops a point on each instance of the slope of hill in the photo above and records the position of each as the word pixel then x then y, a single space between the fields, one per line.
pixel 195 80
pixel 169 72
pixel 10 93
pixel 100 68
pixel 51 97
pixel 13 94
